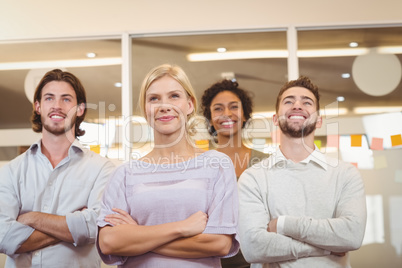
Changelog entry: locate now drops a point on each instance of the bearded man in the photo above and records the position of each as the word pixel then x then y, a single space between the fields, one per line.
pixel 300 208
pixel 50 195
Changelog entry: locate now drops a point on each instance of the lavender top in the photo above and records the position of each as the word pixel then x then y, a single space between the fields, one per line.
pixel 157 193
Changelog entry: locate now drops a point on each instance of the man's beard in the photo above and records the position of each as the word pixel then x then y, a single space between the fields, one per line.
pixel 293 132
pixel 60 130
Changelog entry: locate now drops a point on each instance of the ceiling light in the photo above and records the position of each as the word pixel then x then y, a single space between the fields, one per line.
pixel 377 109
pixel 334 111
pixel 266 114
pixel 247 54
pixel 117 84
pixel 59 64
pixel 91 54
pixel 221 49
pixel 346 75
pixel 261 54
pixel 340 98
pixel 353 44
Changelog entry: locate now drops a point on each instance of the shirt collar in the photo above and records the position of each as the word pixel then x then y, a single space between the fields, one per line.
pixel 76 145
pixel 316 156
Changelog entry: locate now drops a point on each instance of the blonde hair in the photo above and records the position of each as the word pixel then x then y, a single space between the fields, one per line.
pixel 177 73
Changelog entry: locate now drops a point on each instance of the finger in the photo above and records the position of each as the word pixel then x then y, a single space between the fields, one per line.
pixel 120 211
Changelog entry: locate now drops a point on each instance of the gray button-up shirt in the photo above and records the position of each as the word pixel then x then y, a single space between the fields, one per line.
pixel 30 183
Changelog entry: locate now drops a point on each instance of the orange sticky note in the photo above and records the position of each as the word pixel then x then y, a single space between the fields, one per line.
pixel 356 140
pixel 318 144
pixel 202 144
pixel 396 140
pixel 333 141
pixel 377 144
pixel 355 164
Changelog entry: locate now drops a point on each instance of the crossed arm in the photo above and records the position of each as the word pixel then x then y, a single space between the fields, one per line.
pixel 301 236
pixel 182 239
pixel 49 229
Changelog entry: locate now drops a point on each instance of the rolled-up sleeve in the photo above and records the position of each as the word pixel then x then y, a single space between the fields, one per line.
pixel 78 220
pixel 12 233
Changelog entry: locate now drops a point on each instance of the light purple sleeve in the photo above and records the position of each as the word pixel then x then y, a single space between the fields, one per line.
pixel 223 211
pixel 113 197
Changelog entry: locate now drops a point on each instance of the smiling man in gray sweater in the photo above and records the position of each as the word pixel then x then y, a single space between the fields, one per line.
pixel 300 208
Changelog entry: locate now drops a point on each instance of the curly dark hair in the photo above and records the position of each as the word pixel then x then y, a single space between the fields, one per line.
pixel 225 85
pixel 302 81
pixel 59 75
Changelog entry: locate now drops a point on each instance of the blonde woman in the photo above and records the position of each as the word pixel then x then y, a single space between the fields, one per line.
pixel 178 205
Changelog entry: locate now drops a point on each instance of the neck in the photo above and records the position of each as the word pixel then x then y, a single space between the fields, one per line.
pixel 297 149
pixel 55 147
pixel 173 148
pixel 230 144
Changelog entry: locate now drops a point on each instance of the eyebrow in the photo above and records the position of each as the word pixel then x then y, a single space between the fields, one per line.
pixel 232 102
pixel 302 97
pixel 169 92
pixel 52 95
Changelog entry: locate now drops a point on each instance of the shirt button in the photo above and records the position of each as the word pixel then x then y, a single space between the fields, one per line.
pixel 36 253
pixel 45 207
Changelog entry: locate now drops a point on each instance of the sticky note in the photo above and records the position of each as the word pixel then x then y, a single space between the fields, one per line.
pixel 377 144
pixel 202 144
pixel 333 141
pixel 275 135
pixel 95 148
pixel 380 162
pixel 396 140
pixel 318 144
pixel 355 164
pixel 356 140
pixel 398 175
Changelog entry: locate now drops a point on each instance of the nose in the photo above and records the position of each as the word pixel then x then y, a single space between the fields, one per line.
pixel 57 104
pixel 297 105
pixel 227 112
pixel 165 107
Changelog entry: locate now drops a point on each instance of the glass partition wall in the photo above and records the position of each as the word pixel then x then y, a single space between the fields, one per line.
pixel 258 60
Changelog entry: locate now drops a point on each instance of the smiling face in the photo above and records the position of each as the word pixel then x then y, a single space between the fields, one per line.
pixel 58 108
pixel 227 114
pixel 167 105
pixel 297 114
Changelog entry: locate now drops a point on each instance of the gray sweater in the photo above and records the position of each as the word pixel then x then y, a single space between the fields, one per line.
pixel 323 204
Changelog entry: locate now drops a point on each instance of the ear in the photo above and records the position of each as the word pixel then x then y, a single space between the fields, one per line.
pixel 319 122
pixel 275 120
pixel 80 109
pixel 190 106
pixel 37 107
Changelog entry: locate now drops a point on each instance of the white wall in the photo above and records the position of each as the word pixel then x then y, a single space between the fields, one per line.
pixel 26 19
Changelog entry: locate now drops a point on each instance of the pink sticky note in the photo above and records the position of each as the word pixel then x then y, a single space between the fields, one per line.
pixel 276 136
pixel 377 144
pixel 333 141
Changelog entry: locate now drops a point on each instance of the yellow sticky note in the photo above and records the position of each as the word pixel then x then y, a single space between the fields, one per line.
pixel 377 144
pixel 356 140
pixel 202 144
pixel 318 143
pixel 95 148
pixel 396 140
pixel 380 162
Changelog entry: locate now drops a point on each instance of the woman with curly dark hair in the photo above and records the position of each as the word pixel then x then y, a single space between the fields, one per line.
pixel 227 109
